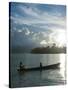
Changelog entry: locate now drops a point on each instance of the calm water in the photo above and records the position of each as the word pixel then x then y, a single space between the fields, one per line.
pixel 37 78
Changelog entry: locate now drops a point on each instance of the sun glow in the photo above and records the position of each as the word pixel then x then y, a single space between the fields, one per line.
pixel 60 38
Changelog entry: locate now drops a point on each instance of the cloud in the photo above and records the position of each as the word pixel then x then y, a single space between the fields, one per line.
pixel 34 15
pixel 42 21
pixel 29 11
pixel 27 32
pixel 36 25
pixel 43 42
pixel 19 31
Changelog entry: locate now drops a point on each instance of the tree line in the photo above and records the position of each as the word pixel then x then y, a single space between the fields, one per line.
pixel 54 49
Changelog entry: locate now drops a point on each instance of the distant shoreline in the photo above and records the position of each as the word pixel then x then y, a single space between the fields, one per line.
pixel 40 50
pixel 48 50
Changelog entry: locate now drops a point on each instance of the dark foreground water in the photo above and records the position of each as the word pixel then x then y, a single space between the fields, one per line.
pixel 37 78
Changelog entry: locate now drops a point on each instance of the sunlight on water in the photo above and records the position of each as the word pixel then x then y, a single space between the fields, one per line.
pixel 62 65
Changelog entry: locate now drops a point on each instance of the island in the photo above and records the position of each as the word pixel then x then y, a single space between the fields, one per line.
pixel 49 50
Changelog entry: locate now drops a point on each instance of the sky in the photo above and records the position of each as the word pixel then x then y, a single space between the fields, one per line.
pixel 37 24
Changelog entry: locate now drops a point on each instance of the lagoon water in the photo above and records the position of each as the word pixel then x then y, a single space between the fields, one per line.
pixel 37 78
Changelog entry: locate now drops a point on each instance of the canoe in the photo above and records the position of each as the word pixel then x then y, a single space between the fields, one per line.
pixel 53 66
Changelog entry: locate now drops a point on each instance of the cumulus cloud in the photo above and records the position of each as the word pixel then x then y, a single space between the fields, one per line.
pixel 43 42
pixel 27 32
